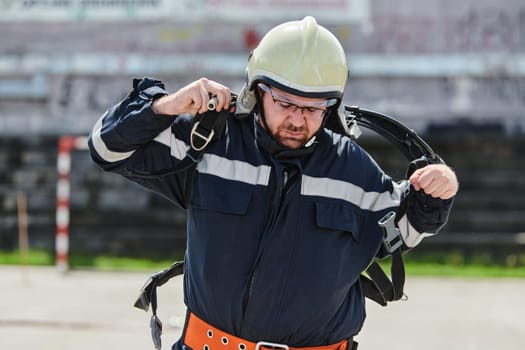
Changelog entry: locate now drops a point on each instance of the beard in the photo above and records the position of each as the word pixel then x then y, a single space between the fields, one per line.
pixel 291 136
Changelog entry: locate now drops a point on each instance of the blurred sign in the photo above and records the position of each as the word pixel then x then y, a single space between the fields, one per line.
pixel 183 10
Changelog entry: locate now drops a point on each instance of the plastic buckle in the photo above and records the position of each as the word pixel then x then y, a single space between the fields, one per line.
pixel 266 344
pixel 206 139
pixel 391 234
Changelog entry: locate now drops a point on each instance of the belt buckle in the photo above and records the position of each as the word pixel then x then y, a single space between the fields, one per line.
pixel 267 344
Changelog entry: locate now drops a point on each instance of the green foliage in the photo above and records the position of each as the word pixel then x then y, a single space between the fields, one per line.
pixel 446 264
pixel 456 263
pixel 33 257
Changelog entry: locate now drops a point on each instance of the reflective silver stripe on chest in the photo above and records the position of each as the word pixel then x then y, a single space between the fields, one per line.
pixel 337 189
pixel 234 170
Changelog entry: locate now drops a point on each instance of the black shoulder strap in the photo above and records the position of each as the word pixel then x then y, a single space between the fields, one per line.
pixel 379 287
pixel 206 127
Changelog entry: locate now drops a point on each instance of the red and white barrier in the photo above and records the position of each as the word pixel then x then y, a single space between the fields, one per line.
pixel 66 144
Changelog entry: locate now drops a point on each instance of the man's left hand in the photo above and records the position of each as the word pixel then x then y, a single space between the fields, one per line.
pixel 436 180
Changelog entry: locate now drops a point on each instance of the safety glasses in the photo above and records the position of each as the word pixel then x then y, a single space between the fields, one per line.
pixel 315 111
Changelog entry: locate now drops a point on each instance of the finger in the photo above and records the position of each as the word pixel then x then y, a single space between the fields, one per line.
pixel 205 97
pixel 414 181
pixel 441 188
pixel 437 193
pixel 221 94
pixel 448 194
pixel 434 186
pixel 206 92
pixel 425 180
pixel 444 193
pixel 228 99
pixel 196 103
pixel 223 99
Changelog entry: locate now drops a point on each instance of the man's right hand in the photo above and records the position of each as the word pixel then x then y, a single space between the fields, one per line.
pixel 193 98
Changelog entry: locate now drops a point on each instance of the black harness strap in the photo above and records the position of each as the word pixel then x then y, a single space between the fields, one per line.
pixel 379 287
pixel 148 296
pixel 206 127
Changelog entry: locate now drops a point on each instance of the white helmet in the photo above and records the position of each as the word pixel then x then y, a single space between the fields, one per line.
pixel 299 57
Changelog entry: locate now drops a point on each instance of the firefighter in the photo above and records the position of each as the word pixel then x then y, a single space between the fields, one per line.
pixel 282 208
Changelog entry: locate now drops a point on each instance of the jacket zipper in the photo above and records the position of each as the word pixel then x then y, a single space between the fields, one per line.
pixel 274 214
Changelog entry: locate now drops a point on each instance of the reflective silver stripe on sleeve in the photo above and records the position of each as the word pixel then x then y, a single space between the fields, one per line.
pixel 337 189
pixel 410 235
pixel 178 148
pixel 100 146
pixel 234 170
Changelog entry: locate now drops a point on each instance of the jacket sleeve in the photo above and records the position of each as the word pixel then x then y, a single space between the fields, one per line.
pixel 422 217
pixel 130 136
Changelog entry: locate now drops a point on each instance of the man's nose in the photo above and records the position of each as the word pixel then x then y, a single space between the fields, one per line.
pixel 296 115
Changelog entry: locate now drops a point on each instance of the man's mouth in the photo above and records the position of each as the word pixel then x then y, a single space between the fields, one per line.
pixel 293 134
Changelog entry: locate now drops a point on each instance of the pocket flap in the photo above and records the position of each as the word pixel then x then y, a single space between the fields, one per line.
pixel 214 193
pixel 337 216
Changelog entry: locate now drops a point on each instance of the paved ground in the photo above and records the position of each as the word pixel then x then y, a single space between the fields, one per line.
pixel 41 309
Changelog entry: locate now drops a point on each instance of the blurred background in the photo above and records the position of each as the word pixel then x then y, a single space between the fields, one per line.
pixel 452 70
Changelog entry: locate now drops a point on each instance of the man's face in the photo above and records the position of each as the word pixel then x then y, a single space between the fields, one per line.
pixel 292 120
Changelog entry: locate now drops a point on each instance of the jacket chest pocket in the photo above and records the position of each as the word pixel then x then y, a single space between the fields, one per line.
pixel 335 216
pixel 220 195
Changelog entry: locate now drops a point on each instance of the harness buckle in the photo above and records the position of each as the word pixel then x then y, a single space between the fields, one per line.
pixel 206 139
pixel 391 234
pixel 265 344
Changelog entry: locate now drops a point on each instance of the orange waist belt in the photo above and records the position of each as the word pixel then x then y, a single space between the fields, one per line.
pixel 200 335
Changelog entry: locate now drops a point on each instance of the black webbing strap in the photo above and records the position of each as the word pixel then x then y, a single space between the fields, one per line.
pixel 148 293
pixel 379 287
pixel 206 127
pixel 148 296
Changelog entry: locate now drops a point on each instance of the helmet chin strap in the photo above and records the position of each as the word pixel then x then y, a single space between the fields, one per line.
pixel 327 115
pixel 261 115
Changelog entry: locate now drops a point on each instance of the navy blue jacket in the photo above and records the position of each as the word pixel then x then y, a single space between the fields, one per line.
pixel 277 238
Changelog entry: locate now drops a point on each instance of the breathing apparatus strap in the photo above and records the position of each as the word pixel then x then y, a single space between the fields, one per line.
pixel 378 286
